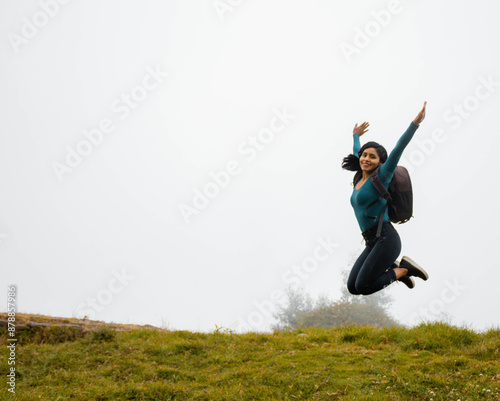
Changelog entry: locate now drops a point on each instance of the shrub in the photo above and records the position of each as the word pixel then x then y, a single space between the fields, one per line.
pixel 103 334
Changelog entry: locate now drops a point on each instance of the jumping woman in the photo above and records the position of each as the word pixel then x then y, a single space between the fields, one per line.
pixel 377 267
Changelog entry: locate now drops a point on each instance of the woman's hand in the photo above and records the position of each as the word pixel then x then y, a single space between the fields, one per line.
pixel 361 129
pixel 420 117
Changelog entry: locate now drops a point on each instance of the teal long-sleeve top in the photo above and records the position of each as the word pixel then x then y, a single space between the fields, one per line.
pixel 361 198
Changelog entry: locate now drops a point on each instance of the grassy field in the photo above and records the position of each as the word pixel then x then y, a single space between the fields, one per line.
pixel 429 362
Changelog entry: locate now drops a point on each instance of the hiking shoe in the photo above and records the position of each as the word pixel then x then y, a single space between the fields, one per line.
pixel 413 268
pixel 406 280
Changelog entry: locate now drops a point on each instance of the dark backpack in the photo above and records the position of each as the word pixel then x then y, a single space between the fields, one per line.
pixel 399 197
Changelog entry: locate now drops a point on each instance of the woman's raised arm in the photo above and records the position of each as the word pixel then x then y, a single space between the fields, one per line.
pixel 357 132
pixel 361 129
pixel 387 169
pixel 420 116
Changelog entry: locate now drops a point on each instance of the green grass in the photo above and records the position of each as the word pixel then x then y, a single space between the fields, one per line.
pixel 432 361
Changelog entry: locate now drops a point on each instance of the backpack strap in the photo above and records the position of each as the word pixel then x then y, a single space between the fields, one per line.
pixel 377 183
pixel 384 193
pixel 381 219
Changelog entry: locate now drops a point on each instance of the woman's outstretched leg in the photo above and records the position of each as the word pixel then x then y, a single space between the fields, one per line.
pixel 375 274
pixel 353 275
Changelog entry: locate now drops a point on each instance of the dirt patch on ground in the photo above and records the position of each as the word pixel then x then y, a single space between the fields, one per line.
pixel 27 321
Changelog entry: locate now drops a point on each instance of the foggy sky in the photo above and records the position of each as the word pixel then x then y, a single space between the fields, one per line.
pixel 178 163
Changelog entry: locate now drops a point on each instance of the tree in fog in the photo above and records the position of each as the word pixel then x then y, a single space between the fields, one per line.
pixel 302 311
pixel 299 303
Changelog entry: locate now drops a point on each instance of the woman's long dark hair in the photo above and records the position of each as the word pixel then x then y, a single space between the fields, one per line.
pixel 351 162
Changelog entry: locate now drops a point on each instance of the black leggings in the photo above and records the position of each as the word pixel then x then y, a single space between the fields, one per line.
pixel 373 270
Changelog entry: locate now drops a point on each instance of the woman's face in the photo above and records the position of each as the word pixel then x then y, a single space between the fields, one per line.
pixel 369 160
